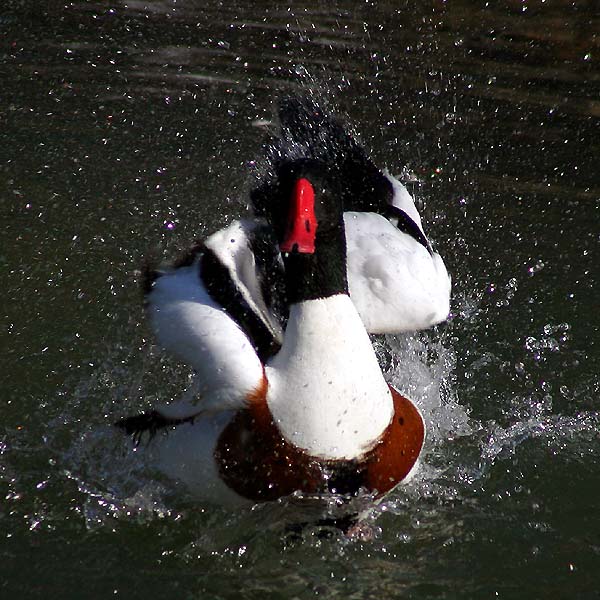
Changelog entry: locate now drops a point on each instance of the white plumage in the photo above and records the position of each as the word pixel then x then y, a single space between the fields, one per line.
pixel 395 283
pixel 314 369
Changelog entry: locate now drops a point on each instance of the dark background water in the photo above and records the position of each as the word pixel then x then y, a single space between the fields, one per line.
pixel 131 126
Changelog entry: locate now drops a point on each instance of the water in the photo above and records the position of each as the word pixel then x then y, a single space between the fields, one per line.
pixel 129 128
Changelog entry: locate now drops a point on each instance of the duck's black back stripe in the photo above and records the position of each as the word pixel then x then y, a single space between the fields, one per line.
pixel 407 225
pixel 222 289
pixel 368 189
pixel 270 272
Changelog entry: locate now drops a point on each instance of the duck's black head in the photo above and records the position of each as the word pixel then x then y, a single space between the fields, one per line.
pixel 305 196
pixel 307 217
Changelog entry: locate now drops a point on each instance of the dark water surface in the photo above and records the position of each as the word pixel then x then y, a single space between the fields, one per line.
pixel 127 126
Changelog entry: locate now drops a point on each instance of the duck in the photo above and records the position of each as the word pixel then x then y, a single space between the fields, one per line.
pixel 274 314
pixel 397 280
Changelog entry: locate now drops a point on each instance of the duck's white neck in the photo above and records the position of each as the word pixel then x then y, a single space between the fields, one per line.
pixel 326 390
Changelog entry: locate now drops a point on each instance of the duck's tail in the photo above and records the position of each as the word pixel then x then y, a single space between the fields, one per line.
pixel 310 130
pixel 149 422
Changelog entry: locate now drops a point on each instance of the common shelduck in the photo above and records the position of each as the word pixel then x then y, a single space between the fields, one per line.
pixel 273 313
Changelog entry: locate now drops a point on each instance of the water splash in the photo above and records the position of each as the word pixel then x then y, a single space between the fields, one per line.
pixel 461 452
pixel 422 367
pixel 555 431
pixel 552 339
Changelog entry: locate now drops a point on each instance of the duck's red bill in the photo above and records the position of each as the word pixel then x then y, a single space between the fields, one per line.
pixel 302 222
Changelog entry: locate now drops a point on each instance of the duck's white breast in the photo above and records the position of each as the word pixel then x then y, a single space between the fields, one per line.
pixel 326 392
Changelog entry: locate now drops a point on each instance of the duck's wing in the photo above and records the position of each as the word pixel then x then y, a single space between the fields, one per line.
pixel 395 283
pixel 243 272
pixel 396 280
pixel 215 311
